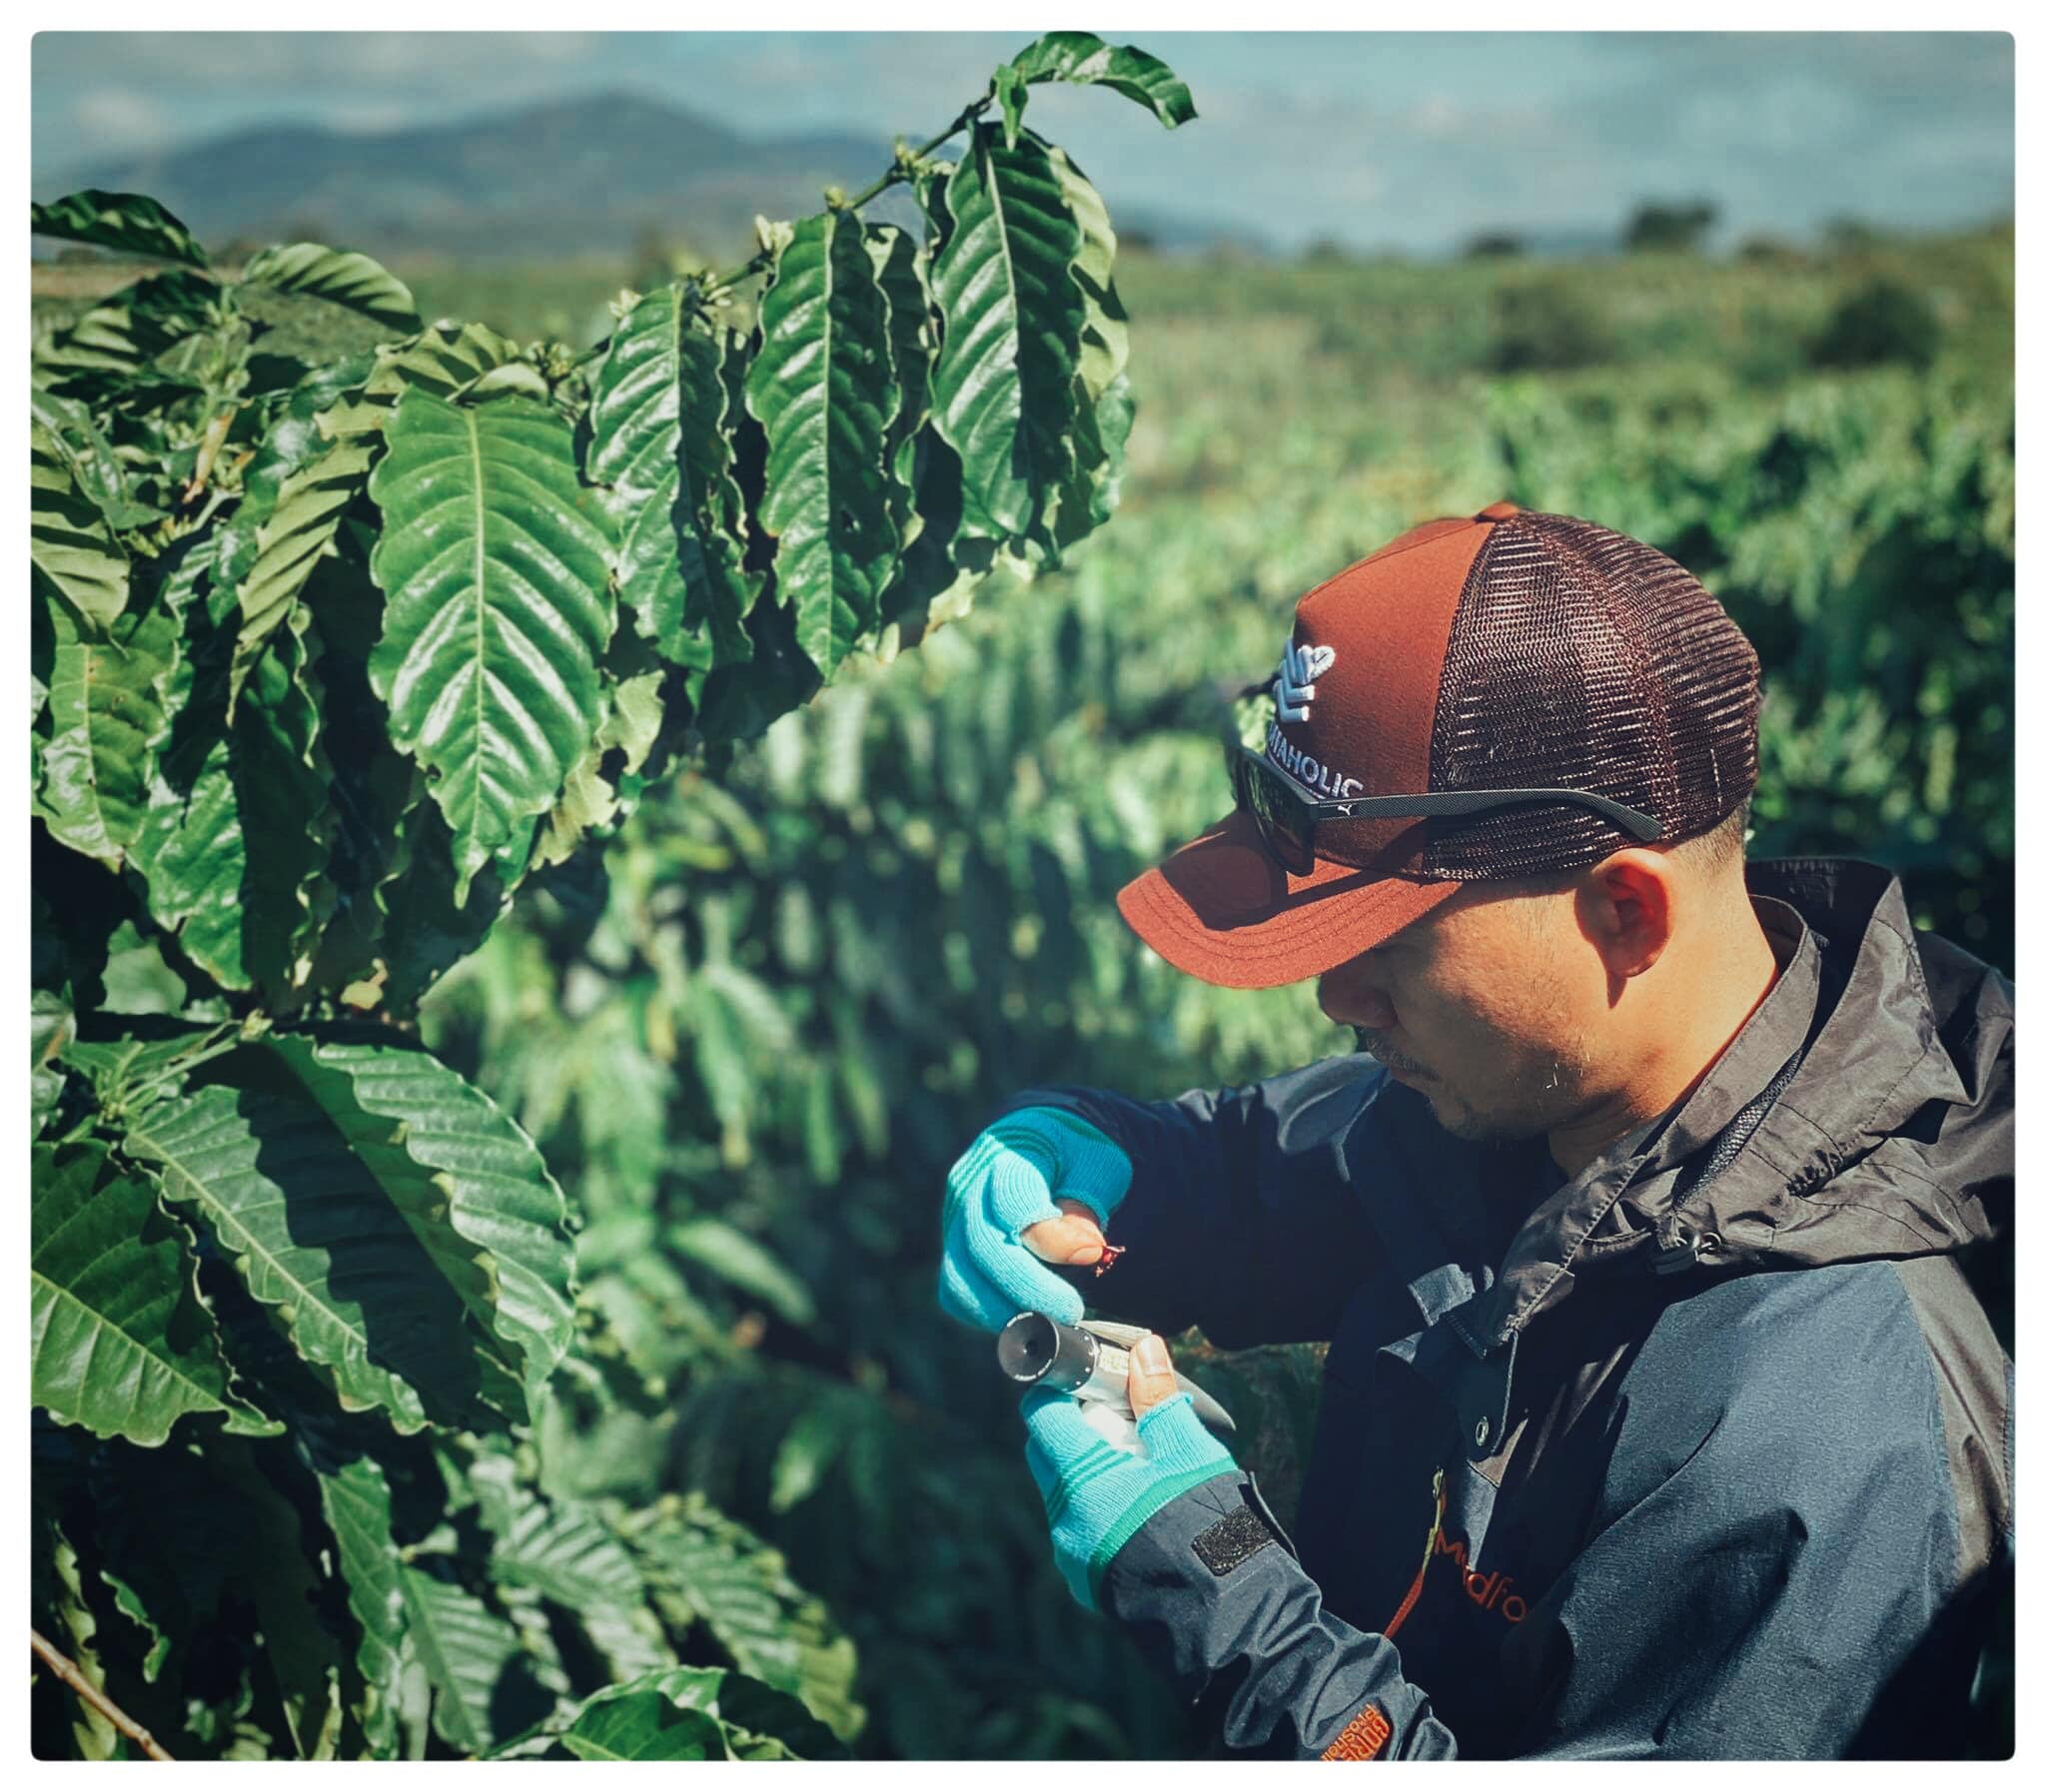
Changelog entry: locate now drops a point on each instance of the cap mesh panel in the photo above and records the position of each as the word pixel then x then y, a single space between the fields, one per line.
pixel 1583 659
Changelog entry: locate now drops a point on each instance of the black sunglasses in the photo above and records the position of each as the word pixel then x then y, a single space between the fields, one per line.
pixel 1287 811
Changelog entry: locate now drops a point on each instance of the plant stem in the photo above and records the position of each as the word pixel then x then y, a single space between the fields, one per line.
pixel 67 1670
pixel 201 1053
pixel 896 173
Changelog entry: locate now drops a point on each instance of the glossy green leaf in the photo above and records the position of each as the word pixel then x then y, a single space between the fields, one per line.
pixel 824 389
pixel 119 1341
pixel 754 1721
pixel 1011 92
pixel 660 442
pixel 107 356
pixel 93 1735
pixel 401 929
pixel 237 840
pixel 761 1722
pixel 493 561
pixel 806 1456
pixel 325 407
pixel 1003 392
pixel 95 466
pixel 1088 498
pixel 355 1499
pixel 137 977
pixel 289 543
pixel 1129 71
pixel 465 1648
pixel 340 276
pixel 69 541
pixel 101 728
pixel 466 1177
pixel 193 850
pixel 643 1726
pixel 316 1239
pixel 130 221
pixel 287 819
pixel 237 1541
pixel 738 1587
pixel 445 359
pixel 900 268
pixel 1105 328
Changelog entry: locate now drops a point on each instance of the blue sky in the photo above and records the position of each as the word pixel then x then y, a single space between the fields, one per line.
pixel 1407 140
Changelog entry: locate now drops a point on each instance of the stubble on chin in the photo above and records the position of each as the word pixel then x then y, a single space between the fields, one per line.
pixel 1537 1103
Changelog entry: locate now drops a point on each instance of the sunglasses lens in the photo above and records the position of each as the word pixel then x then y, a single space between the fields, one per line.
pixel 1281 818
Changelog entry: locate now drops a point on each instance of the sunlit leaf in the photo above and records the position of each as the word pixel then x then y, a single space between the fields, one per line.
pixel 824 390
pixel 316 1239
pixel 465 1178
pixel 119 1341
pixel 660 442
pixel 341 276
pixel 1129 71
pixel 1002 390
pixel 69 541
pixel 130 221
pixel 494 561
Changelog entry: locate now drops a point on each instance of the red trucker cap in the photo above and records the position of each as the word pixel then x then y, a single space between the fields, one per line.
pixel 1507 650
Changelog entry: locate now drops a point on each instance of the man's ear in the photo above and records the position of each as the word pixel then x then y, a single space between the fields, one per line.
pixel 1624 906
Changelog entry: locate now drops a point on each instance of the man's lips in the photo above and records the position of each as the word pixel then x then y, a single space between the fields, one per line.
pixel 1397 1064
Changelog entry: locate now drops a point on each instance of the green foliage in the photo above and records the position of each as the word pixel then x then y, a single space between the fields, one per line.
pixel 336 648
pixel 1882 321
pixel 1549 323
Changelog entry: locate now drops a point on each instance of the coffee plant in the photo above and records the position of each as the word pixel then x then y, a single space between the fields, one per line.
pixel 331 660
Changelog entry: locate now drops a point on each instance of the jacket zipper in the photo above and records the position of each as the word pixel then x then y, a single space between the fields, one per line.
pixel 1426 1555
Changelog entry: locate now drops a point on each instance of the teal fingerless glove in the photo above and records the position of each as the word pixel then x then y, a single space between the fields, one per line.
pixel 1008 1180
pixel 1096 1496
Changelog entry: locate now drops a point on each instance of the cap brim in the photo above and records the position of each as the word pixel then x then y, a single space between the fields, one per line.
pixel 1223 910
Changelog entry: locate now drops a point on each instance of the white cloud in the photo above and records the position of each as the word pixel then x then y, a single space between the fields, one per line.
pixel 109 118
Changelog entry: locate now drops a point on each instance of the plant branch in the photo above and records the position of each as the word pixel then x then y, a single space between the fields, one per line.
pixel 897 172
pixel 67 1670
pixel 202 1051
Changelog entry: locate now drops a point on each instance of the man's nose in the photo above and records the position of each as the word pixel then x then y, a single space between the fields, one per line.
pixel 1352 999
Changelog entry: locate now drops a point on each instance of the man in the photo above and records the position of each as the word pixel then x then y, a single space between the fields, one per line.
pixel 1658 1416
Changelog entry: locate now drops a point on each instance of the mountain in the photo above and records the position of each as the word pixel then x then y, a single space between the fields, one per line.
pixel 577 176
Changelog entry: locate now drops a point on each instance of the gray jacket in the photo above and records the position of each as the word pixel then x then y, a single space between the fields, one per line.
pixel 1705 1451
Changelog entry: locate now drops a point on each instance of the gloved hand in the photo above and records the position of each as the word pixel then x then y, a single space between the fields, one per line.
pixel 1097 1496
pixel 999 1198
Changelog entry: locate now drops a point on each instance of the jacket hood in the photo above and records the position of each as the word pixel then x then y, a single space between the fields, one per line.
pixel 1890 1137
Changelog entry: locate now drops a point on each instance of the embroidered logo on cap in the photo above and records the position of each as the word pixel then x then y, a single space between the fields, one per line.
pixel 1298 667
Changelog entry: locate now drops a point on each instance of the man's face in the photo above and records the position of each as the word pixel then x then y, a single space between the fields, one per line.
pixel 1490 1006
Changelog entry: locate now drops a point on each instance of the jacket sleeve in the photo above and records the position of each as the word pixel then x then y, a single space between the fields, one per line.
pixel 1240 1217
pixel 1743 1595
